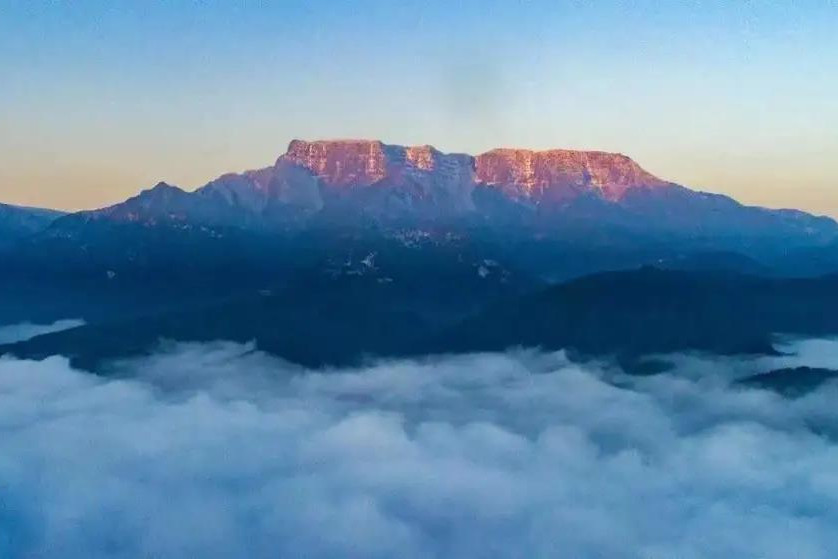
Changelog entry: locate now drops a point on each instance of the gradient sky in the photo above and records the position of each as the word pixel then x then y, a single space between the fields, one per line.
pixel 101 99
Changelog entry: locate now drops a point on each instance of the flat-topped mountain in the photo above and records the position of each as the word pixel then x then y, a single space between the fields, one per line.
pixel 556 192
pixel 366 162
pixel 548 215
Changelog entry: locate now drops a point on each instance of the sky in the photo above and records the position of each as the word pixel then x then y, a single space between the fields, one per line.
pixel 101 99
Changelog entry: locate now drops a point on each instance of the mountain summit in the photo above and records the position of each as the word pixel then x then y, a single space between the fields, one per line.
pixel 549 175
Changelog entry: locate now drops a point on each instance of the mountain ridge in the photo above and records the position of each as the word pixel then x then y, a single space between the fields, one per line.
pixel 352 181
pixel 324 320
pixel 18 222
pixel 552 214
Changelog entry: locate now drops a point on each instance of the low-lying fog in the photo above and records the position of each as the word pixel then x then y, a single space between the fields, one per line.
pixel 217 450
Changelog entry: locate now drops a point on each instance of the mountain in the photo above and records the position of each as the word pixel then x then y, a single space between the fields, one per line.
pixel 556 214
pixel 554 192
pixel 548 216
pixel 17 222
pixel 359 310
pixel 376 303
pixel 791 382
pixel 338 181
pixel 650 310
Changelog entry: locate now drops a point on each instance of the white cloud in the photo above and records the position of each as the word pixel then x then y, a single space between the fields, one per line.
pixel 216 450
pixel 26 330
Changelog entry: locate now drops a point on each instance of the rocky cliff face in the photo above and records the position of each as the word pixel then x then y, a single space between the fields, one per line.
pixel 552 174
pixel 562 174
pixel 416 178
pixel 342 163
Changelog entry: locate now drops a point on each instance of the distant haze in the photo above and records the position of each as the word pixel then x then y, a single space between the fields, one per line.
pixel 102 99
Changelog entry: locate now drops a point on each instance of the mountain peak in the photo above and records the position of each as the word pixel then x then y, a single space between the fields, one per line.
pixel 422 157
pixel 163 187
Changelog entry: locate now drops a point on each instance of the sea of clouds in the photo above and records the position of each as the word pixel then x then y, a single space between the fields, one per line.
pixel 220 451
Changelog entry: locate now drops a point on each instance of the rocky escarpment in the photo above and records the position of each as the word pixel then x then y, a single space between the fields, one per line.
pixel 344 163
pixel 551 174
pixel 417 178
pixel 562 174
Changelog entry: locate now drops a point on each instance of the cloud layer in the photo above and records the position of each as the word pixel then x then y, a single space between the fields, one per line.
pixel 216 450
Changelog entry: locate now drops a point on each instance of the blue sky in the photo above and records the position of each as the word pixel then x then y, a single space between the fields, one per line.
pixel 100 99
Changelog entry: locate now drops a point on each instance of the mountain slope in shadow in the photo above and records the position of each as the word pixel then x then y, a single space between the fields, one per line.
pixel 321 317
pixel 319 320
pixel 653 311
pixel 791 382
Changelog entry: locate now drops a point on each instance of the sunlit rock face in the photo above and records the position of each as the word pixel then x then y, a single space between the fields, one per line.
pixel 417 177
pixel 552 174
pixel 427 175
pixel 562 174
pixel 341 163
